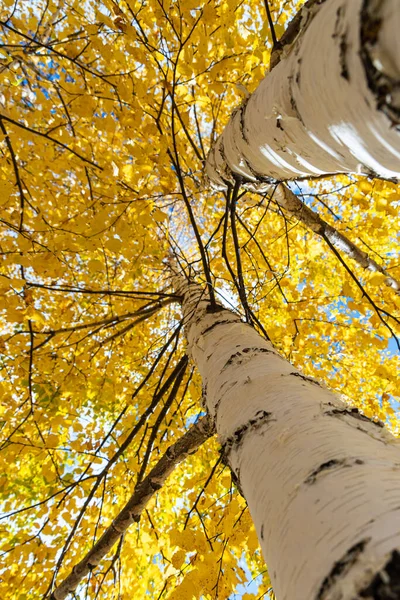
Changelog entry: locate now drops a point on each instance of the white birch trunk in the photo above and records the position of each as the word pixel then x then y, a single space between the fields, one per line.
pixel 322 482
pixel 331 105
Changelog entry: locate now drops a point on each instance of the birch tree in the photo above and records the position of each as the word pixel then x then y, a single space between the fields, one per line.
pixel 331 104
pixel 116 371
pixel 321 480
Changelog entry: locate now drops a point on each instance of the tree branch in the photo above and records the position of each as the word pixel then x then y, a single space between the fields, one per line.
pixel 175 454
pixel 287 200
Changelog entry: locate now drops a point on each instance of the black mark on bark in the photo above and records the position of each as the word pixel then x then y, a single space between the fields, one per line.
pixel 355 413
pixel 383 86
pixel 304 377
pixel 298 75
pixel 385 585
pixel 338 22
pixel 344 71
pixel 230 360
pixel 259 418
pixel 340 568
pixel 298 24
pixel 262 532
pixel 236 481
pixel 237 356
pixel 242 121
pixel 339 32
pixel 226 386
pixel 155 486
pixel 214 308
pixel 215 324
pixel 258 350
pixel 235 440
pixel 331 465
pixel 293 103
pixel 135 518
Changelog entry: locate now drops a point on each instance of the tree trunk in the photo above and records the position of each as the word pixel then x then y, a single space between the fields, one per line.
pixel 321 480
pixel 331 105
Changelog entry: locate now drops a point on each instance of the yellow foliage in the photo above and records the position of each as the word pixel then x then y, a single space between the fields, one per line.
pixel 108 110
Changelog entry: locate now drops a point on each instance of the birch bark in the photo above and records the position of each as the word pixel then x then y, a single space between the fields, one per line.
pixel 331 105
pixel 321 480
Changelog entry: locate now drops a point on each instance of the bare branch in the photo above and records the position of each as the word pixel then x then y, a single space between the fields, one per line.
pixel 287 200
pixel 144 491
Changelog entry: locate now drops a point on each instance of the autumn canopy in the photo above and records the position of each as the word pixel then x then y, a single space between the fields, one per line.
pixel 109 206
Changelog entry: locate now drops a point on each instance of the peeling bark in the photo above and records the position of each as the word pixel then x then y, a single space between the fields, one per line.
pixel 330 105
pixel 322 481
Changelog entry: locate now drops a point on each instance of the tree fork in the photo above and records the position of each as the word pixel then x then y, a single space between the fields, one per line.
pixel 321 480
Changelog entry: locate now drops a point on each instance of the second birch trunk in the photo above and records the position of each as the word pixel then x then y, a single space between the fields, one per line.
pixel 322 481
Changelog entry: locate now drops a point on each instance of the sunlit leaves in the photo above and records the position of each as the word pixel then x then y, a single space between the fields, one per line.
pixel 100 102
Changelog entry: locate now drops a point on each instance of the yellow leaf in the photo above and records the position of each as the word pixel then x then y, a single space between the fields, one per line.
pixel 159 215
pixel 95 265
pixel 365 186
pixel 178 558
pixel 52 441
pixel 377 279
pixel 128 172
pixel 347 290
pixel 14 315
pixel 145 218
pixel 114 244
pixel 382 371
